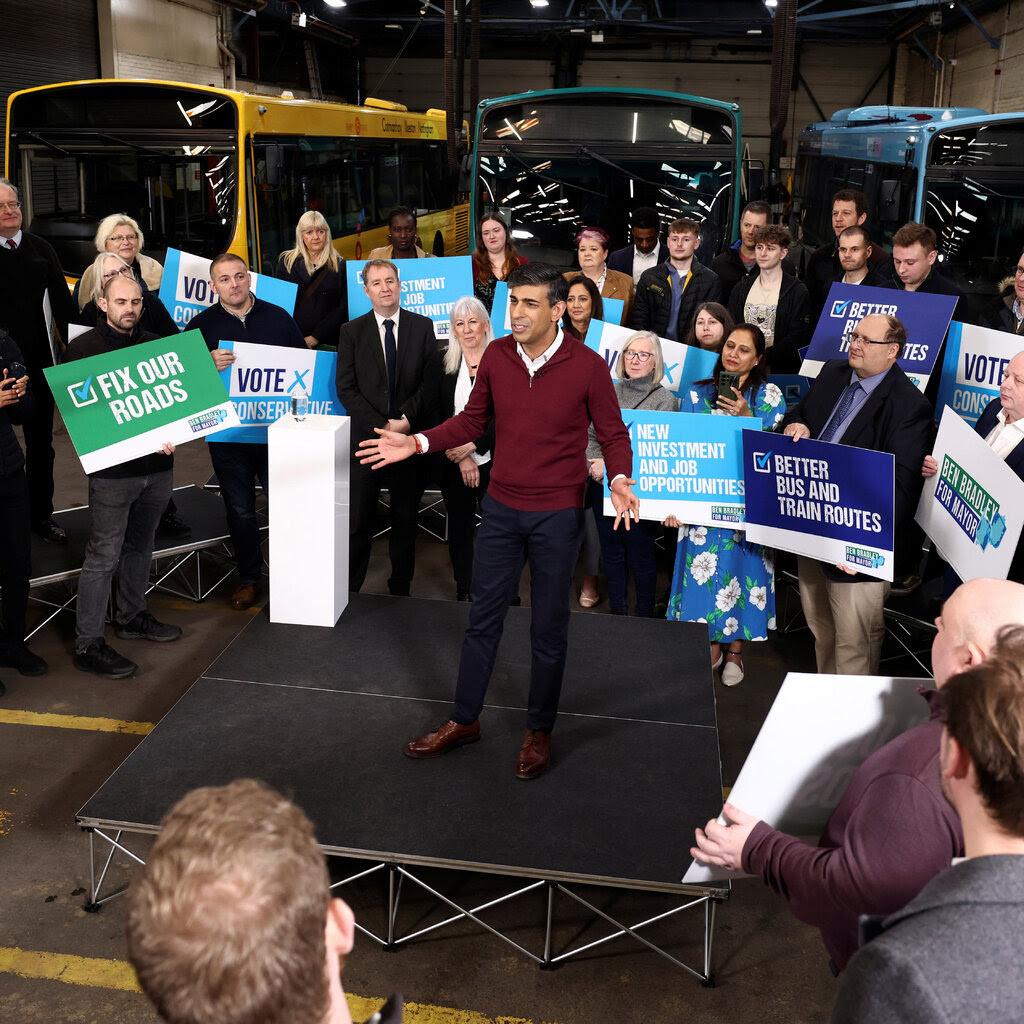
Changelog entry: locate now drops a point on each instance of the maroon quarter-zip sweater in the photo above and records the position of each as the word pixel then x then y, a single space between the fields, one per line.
pixel 541 424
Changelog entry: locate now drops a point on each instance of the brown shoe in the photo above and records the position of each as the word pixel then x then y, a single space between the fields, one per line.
pixel 444 738
pixel 245 596
pixel 535 754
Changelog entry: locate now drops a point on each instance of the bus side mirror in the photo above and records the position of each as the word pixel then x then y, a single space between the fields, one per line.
pixel 272 156
pixel 890 201
pixel 466 174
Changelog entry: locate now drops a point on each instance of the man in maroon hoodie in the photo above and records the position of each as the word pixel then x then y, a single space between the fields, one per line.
pixel 542 388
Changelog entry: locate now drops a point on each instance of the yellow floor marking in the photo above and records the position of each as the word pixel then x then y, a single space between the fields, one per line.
pixel 119 974
pixel 12 717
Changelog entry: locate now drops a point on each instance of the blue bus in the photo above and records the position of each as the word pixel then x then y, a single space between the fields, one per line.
pixel 556 160
pixel 959 170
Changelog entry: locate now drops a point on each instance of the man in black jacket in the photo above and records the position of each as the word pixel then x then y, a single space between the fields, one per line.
pixel 668 294
pixel 866 401
pixel 646 251
pixel 28 270
pixel 1007 313
pixel 125 504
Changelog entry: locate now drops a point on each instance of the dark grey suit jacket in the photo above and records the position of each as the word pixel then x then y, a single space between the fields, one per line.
pixel 951 955
pixel 362 377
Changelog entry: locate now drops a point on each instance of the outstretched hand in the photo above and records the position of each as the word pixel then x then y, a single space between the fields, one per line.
pixel 389 446
pixel 625 502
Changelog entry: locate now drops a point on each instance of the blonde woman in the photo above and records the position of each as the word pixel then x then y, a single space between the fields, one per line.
pixel 120 234
pixel 155 319
pixel 321 306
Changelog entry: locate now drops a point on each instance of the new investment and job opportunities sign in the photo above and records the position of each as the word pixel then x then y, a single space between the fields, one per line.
pixel 123 404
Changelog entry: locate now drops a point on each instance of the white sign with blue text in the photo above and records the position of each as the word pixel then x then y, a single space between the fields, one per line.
pixel 684 364
pixel 925 317
pixel 429 287
pixel 263 379
pixel 973 368
pixel 828 501
pixel 688 465
pixel 185 288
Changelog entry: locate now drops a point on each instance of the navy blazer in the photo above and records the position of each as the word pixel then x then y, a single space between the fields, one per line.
pixel 1015 460
pixel 896 418
pixel 622 259
pixel 362 377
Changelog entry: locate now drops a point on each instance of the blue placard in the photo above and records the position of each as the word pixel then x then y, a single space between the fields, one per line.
pixel 827 501
pixel 792 386
pixel 185 287
pixel 973 368
pixel 262 380
pixel 925 317
pixel 429 287
pixel 688 465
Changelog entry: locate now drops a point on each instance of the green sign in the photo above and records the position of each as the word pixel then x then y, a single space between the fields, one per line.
pixel 130 402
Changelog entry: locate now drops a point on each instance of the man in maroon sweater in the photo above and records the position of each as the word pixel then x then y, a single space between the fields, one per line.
pixel 893 830
pixel 542 389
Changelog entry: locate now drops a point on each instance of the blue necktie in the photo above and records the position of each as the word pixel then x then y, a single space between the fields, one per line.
pixel 841 412
pixel 390 357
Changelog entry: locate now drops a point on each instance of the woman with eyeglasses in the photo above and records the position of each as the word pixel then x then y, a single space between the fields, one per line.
pixel 120 234
pixel 321 306
pixel 592 256
pixel 639 370
pixel 719 577
pixel 107 265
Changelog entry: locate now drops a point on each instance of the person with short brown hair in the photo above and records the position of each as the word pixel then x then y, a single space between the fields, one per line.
pixel 231 920
pixel 914 255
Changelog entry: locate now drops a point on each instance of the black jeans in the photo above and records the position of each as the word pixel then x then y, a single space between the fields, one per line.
pixel 15 566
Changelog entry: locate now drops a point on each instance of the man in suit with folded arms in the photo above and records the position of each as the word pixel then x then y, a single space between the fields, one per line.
pixel 389 373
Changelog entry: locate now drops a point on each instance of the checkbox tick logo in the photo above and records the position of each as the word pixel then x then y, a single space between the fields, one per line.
pixel 839 308
pixel 762 462
pixel 82 393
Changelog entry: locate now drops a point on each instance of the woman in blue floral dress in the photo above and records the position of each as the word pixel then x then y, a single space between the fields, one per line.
pixel 719 577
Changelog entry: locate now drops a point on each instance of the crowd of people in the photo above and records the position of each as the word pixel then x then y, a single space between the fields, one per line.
pixel 525 430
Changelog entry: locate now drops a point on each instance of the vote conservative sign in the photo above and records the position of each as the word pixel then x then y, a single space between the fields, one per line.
pixel 684 364
pixel 263 379
pixel 925 317
pixel 123 404
pixel 688 465
pixel 973 368
pixel 973 508
pixel 185 288
pixel 429 287
pixel 827 501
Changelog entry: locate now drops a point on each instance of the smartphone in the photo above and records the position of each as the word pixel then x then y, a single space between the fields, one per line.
pixel 15 371
pixel 727 380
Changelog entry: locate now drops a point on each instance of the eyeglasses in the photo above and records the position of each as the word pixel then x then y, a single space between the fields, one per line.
pixel 126 271
pixel 123 238
pixel 1017 271
pixel 14 205
pixel 640 356
pixel 861 340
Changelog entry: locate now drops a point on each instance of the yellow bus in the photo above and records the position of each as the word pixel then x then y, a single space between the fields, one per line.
pixel 210 170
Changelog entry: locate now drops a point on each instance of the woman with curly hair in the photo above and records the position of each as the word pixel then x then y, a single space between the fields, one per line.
pixel 495 257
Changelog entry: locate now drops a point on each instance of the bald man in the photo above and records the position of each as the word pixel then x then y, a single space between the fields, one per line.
pixel 893 830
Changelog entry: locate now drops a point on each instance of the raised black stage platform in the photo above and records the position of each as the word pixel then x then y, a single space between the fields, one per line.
pixel 322 714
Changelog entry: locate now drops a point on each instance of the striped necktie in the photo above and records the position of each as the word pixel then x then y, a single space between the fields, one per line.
pixel 842 409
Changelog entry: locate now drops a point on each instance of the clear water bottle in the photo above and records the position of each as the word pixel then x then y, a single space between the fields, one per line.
pixel 300 404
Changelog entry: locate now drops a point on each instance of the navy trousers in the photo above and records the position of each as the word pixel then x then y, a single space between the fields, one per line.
pixel 507 538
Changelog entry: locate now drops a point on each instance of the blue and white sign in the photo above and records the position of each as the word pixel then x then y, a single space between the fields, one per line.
pixel 502 322
pixel 973 508
pixel 827 501
pixel 792 386
pixel 925 317
pixel 684 364
pixel 687 465
pixel 263 379
pixel 430 287
pixel 973 368
pixel 185 288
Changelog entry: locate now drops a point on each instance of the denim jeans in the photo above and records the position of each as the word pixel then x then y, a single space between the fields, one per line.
pixel 125 513
pixel 238 466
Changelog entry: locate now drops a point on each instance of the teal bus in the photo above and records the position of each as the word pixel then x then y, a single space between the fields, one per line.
pixel 557 160
pixel 957 170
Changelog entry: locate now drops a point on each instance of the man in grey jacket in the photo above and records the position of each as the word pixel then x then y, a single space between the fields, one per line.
pixel 954 952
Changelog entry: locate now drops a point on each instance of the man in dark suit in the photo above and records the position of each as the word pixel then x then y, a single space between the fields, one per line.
pixel 866 402
pixel 646 251
pixel 28 270
pixel 1007 313
pixel 389 372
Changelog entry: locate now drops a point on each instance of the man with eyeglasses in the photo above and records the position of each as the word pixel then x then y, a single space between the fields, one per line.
pixel 865 401
pixel 28 270
pixel 1008 313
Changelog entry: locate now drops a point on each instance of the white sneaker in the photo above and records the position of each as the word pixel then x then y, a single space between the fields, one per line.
pixel 732 673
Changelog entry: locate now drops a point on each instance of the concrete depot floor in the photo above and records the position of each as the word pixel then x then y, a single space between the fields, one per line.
pixel 768 966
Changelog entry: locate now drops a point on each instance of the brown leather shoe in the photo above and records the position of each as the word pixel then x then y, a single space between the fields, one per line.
pixel 535 754
pixel 444 738
pixel 245 596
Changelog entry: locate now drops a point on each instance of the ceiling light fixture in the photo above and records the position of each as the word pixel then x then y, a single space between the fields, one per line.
pixel 336 3
pixel 538 3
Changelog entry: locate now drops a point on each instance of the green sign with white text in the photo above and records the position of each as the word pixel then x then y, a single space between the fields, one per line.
pixel 131 401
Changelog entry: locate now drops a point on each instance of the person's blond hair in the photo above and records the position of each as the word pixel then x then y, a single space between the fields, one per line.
pixel 659 359
pixel 110 224
pixel 226 921
pixel 468 305
pixel 310 219
pixel 96 277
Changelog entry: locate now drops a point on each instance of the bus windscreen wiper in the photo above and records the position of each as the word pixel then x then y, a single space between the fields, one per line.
pixel 988 189
pixel 45 142
pixel 131 145
pixel 507 150
pixel 687 191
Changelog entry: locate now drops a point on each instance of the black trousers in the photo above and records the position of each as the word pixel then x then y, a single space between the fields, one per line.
pixel 15 556
pixel 461 503
pixel 38 431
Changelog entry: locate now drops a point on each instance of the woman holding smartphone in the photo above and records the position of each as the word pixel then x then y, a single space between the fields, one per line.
pixel 719 577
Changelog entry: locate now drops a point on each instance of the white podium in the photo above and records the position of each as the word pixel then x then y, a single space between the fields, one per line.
pixel 308 470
